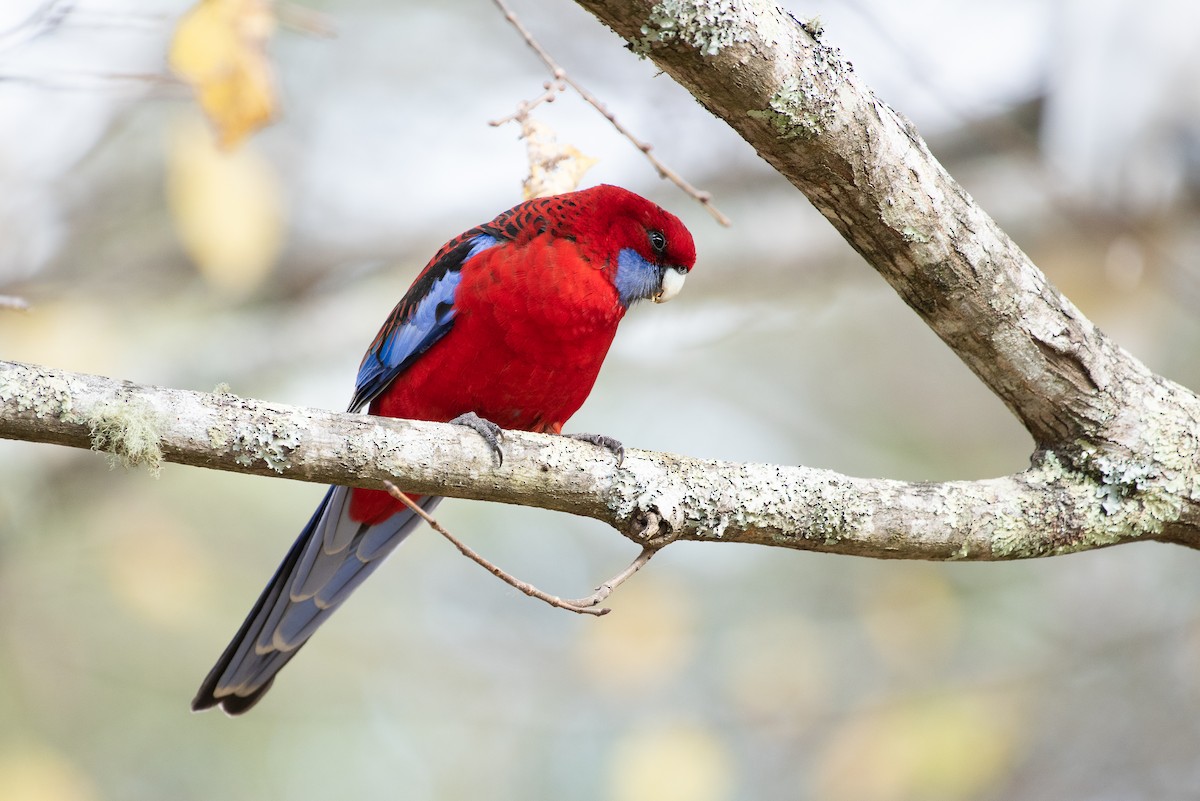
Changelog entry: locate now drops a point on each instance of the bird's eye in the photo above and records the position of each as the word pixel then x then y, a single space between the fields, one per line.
pixel 658 242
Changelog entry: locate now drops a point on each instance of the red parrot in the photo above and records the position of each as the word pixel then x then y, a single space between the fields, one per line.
pixel 506 327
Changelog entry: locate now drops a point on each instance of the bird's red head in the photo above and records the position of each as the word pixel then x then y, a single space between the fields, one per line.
pixel 617 218
pixel 646 249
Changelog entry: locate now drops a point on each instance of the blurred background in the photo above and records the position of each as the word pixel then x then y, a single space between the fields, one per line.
pixel 724 672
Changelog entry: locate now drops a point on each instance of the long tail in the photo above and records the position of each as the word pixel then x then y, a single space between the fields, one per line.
pixel 331 557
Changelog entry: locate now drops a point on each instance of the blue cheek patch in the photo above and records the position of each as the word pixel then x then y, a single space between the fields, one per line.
pixel 637 279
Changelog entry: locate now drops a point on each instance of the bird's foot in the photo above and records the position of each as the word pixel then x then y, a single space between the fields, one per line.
pixel 611 445
pixel 492 434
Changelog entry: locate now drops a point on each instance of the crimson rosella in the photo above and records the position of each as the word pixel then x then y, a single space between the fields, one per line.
pixel 506 327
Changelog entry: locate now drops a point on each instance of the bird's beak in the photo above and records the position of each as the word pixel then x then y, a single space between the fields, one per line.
pixel 672 282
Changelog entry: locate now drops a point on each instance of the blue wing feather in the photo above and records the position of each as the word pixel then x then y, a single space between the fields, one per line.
pixel 423 316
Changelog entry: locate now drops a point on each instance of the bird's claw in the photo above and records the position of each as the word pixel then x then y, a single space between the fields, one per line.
pixel 492 434
pixel 613 446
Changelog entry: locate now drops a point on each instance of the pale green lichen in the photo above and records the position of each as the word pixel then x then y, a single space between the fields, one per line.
pixel 824 513
pixel 706 25
pixel 373 447
pixel 246 429
pixel 45 396
pixel 129 430
pixel 798 109
pixel 1118 480
pixel 260 441
pixel 1010 540
pixel 806 103
pixel 273 446
pixel 789 112
pixel 1114 500
pixel 218 437
pixel 1137 494
pixel 1010 536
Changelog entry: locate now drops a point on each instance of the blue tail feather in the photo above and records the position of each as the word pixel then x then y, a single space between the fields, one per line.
pixel 312 582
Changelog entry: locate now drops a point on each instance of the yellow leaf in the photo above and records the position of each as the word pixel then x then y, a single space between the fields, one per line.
pixel 220 49
pixel 227 208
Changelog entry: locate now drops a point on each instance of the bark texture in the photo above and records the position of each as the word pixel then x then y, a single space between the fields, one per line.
pixel 798 101
pixel 867 170
pixel 1049 509
pixel 1117 456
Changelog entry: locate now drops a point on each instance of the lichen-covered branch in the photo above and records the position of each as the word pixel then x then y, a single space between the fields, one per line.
pixel 798 101
pixel 790 94
pixel 1051 508
pixel 1118 456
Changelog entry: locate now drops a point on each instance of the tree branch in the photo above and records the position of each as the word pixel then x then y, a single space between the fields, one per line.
pixel 867 170
pixel 652 497
pixel 1118 455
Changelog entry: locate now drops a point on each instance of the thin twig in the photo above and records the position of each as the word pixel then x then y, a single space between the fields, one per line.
pixel 510 15
pixel 553 88
pixel 604 590
pixel 560 74
pixel 496 571
pixel 702 197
